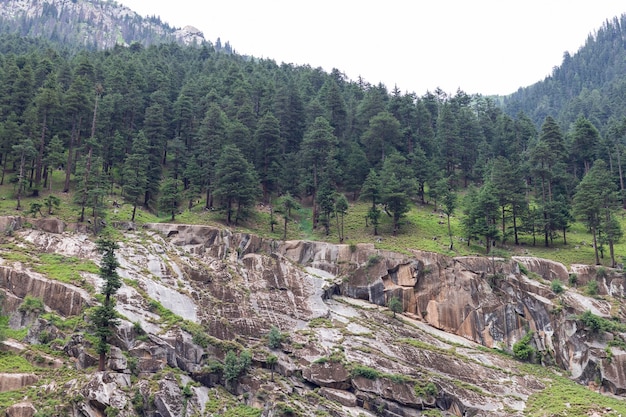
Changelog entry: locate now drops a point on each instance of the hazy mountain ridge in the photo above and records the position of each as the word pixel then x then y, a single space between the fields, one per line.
pixel 590 82
pixel 89 24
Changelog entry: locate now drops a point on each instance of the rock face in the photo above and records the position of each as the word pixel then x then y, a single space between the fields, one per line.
pixel 65 299
pixel 12 382
pixel 193 293
pixel 88 23
pixel 25 409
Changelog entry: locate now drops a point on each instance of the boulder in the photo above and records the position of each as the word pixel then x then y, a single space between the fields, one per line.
pixel 116 360
pixel 328 374
pixel 105 389
pixel 168 399
pixel 24 409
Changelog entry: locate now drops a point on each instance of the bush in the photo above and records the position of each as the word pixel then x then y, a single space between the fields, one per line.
pixel 274 338
pixel 522 349
pixel 373 260
pixel 395 305
pixel 556 286
pixel 32 305
pixel 365 372
pixel 573 279
pixel 592 288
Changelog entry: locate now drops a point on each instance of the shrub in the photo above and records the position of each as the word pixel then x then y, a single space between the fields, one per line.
pixel 523 269
pixel 522 349
pixel 592 288
pixel 602 272
pixel 274 338
pixel 573 279
pixel 431 389
pixel 556 286
pixel 32 305
pixel 590 320
pixel 373 260
pixel 365 372
pixel 395 305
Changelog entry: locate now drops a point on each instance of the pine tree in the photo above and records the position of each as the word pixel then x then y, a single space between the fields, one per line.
pixel 105 316
pixel 170 196
pixel 236 184
pixel 372 190
pixel 136 171
pixel 285 205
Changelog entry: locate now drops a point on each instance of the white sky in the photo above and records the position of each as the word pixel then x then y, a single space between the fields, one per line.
pixel 480 46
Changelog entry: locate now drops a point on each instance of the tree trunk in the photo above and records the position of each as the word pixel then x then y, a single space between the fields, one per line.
pixel 450 234
pixel 515 226
pixel 595 244
pixel 101 362
pixel 68 167
pixel 621 176
pixel 42 148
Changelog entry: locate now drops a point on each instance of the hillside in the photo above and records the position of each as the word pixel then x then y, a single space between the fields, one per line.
pixel 290 242
pixel 589 82
pixel 195 298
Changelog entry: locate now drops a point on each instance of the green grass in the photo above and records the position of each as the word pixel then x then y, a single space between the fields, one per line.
pixel 423 228
pixel 563 397
pixel 63 268
pixel 12 363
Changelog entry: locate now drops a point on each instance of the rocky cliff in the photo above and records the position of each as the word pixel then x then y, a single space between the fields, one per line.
pixel 192 294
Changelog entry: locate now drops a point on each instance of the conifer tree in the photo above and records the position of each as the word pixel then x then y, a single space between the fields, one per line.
pixel 136 171
pixel 105 316
pixel 236 184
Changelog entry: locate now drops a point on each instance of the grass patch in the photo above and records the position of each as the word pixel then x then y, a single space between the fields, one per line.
pixel 63 268
pixel 12 363
pixel 563 397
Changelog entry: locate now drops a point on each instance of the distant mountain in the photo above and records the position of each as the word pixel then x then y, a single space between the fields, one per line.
pixel 592 82
pixel 92 24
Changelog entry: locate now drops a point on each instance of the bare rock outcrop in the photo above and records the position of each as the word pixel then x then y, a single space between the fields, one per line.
pixel 12 382
pixel 23 409
pixel 65 299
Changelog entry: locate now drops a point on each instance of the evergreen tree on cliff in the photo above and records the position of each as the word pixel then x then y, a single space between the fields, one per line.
pixel 104 317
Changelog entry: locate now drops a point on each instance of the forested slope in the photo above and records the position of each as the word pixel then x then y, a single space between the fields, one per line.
pixel 589 83
pixel 184 127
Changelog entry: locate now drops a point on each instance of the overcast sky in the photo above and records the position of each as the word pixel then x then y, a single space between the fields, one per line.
pixel 480 46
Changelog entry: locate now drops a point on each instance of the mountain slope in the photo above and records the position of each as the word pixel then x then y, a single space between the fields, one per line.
pixel 92 24
pixel 192 294
pixel 591 82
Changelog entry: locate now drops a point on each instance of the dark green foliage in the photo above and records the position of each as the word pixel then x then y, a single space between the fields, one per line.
pixel 556 286
pixel 136 171
pixel 398 186
pixel 170 197
pixel 595 202
pixel 274 338
pixel 523 349
pixel 51 202
pixel 307 133
pixel 395 305
pixel 285 205
pixel 271 363
pixel 105 316
pixel 236 184
pixel 235 366
pixel 365 372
